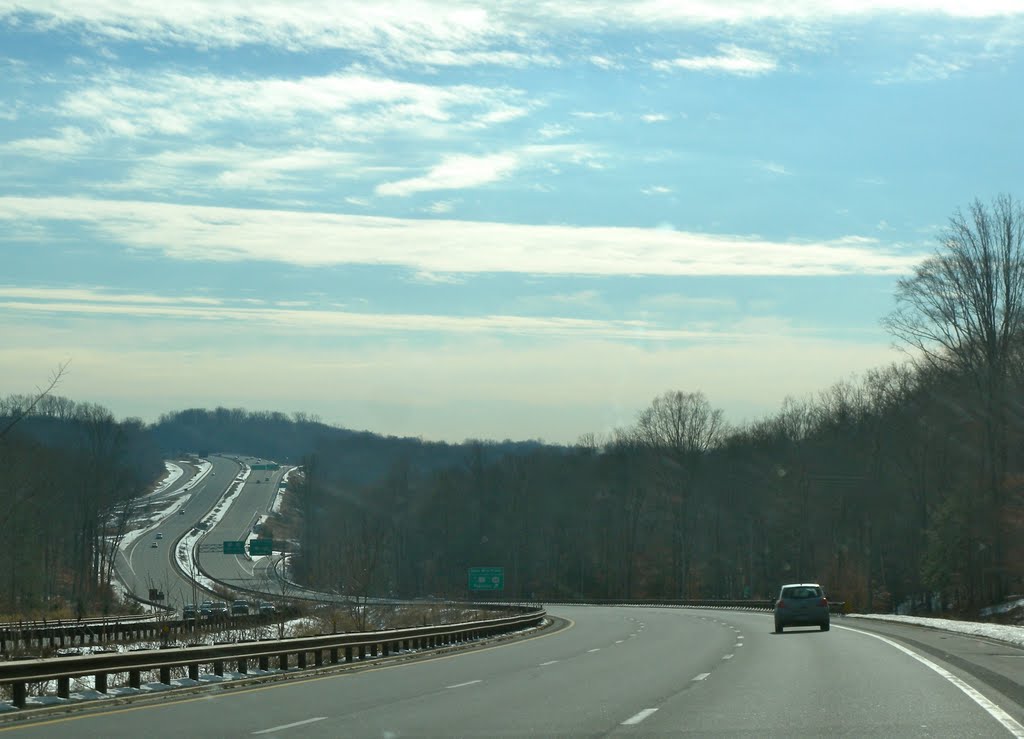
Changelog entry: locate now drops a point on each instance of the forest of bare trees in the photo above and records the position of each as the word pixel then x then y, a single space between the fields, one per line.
pixel 72 475
pixel 900 487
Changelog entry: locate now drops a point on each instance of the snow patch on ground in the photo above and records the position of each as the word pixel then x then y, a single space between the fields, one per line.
pixel 152 520
pixel 186 552
pixel 999 632
pixel 174 473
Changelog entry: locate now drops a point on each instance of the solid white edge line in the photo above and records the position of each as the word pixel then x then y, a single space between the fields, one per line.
pixel 701 676
pixel 462 685
pixel 591 651
pixel 1008 722
pixel 633 720
pixel 290 726
pixel 549 662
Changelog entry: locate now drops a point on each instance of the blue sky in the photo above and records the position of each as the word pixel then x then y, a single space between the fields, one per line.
pixel 510 220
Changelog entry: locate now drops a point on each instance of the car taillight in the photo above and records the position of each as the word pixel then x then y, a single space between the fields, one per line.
pixel 823 602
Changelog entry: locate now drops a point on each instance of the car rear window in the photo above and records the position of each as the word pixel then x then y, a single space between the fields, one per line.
pixel 801 592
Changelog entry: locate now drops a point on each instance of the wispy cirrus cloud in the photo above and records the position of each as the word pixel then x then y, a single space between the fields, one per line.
pixel 461 171
pixel 67 142
pixel 439 246
pixel 731 59
pixel 345 104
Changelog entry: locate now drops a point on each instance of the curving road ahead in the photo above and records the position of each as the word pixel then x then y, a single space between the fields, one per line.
pixel 610 672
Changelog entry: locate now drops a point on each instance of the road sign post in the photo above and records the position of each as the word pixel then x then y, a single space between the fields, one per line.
pixel 486 578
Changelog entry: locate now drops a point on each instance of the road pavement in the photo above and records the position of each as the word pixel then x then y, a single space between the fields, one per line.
pixel 612 671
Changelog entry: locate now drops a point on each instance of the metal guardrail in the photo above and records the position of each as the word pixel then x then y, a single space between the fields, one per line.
pixel 836 607
pixel 350 647
pixel 61 632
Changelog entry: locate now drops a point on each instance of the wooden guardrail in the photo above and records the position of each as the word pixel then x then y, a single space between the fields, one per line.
pixel 328 648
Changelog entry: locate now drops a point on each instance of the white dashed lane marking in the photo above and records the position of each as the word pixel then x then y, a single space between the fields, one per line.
pixel 633 720
pixel 550 662
pixel 701 676
pixel 728 656
pixel 463 685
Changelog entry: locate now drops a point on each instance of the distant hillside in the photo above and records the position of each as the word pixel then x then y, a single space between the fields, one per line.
pixel 355 456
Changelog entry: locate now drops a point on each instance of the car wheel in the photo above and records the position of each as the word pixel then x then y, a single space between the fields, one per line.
pixel 778 628
pixel 824 627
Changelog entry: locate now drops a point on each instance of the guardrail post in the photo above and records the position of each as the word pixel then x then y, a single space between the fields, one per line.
pixel 63 687
pixel 318 658
pixel 193 671
pixel 264 662
pixel 334 655
pixel 362 651
pixel 302 660
pixel 282 661
pixel 243 665
pixel 218 667
pixel 135 679
pixel 348 654
pixel 101 682
pixel 386 649
pixel 18 694
pixel 165 675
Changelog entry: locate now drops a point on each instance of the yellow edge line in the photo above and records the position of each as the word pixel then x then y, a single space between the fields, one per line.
pixel 343 674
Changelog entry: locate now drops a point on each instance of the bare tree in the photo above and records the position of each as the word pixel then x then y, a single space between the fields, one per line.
pixel 961 312
pixel 680 427
pixel 41 393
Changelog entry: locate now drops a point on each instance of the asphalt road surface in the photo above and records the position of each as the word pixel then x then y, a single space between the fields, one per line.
pixel 621 672
pixel 141 566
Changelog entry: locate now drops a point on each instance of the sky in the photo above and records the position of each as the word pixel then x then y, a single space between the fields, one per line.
pixel 513 220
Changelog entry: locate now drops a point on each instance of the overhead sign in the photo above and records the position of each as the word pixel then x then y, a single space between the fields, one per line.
pixel 261 546
pixel 486 578
pixel 234 547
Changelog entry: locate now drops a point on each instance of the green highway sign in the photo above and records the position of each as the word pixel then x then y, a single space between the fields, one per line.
pixel 234 547
pixel 261 546
pixel 486 578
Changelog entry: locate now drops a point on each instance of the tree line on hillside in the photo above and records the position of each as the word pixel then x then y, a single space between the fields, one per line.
pixel 72 477
pixel 901 487
pixel 358 457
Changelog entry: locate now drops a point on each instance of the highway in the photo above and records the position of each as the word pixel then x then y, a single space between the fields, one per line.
pixel 615 671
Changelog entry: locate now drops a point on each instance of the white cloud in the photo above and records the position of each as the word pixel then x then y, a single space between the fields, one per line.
pixel 441 206
pixel 772 167
pixel 456 172
pixel 657 190
pixel 654 118
pixel 732 59
pixel 68 142
pixel 461 171
pixel 348 104
pixel 554 131
pixel 444 246
pixel 604 62
pixel 925 68
pixel 432 32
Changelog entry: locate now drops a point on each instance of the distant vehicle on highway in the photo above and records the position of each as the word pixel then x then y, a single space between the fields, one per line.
pixel 240 607
pixel 206 609
pixel 220 609
pixel 266 609
pixel 189 612
pixel 154 545
pixel 181 512
pixel 159 535
pixel 801 604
